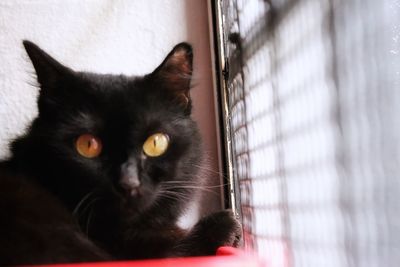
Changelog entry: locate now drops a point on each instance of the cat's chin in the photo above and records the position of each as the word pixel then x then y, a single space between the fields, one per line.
pixel 135 193
pixel 137 199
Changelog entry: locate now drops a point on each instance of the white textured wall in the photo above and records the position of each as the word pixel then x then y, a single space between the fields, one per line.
pixel 115 36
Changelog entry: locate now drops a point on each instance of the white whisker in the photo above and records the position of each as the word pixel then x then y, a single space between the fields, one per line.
pixel 194 184
pixel 208 170
pixel 88 221
pixel 78 206
pixel 85 205
pixel 173 194
pixel 90 204
pixel 200 188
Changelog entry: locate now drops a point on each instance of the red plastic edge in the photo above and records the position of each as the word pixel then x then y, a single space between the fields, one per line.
pixel 225 257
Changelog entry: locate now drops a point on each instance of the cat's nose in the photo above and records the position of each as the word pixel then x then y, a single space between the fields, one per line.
pixel 130 182
pixel 130 177
pixel 131 185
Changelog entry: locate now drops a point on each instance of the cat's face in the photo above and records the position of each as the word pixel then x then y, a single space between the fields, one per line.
pixel 127 136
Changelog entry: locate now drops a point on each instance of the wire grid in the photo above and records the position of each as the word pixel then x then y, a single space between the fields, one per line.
pixel 314 104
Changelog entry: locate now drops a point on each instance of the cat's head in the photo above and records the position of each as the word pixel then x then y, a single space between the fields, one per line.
pixel 129 136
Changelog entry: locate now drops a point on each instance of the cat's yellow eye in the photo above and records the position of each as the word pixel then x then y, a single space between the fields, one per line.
pixel 88 146
pixel 156 145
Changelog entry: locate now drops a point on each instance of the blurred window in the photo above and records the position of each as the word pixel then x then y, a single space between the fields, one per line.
pixel 313 128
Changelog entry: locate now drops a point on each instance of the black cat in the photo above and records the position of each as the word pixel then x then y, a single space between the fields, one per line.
pixel 106 169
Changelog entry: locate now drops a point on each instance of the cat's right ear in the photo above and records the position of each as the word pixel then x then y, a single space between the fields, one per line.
pixel 48 70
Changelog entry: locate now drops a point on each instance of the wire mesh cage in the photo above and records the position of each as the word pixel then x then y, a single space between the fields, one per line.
pixel 313 112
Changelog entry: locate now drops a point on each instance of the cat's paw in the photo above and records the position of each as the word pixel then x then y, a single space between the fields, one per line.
pixel 215 230
pixel 222 228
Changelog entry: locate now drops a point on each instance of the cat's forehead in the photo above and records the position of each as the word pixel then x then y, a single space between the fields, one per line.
pixel 118 99
pixel 106 83
pixel 111 91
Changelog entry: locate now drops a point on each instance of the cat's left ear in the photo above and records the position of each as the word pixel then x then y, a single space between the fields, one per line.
pixel 175 72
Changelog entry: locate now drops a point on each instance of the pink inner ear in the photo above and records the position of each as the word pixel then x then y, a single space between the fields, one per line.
pixel 184 99
pixel 179 62
pixel 177 73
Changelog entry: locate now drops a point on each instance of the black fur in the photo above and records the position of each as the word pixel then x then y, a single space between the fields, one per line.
pixel 74 208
